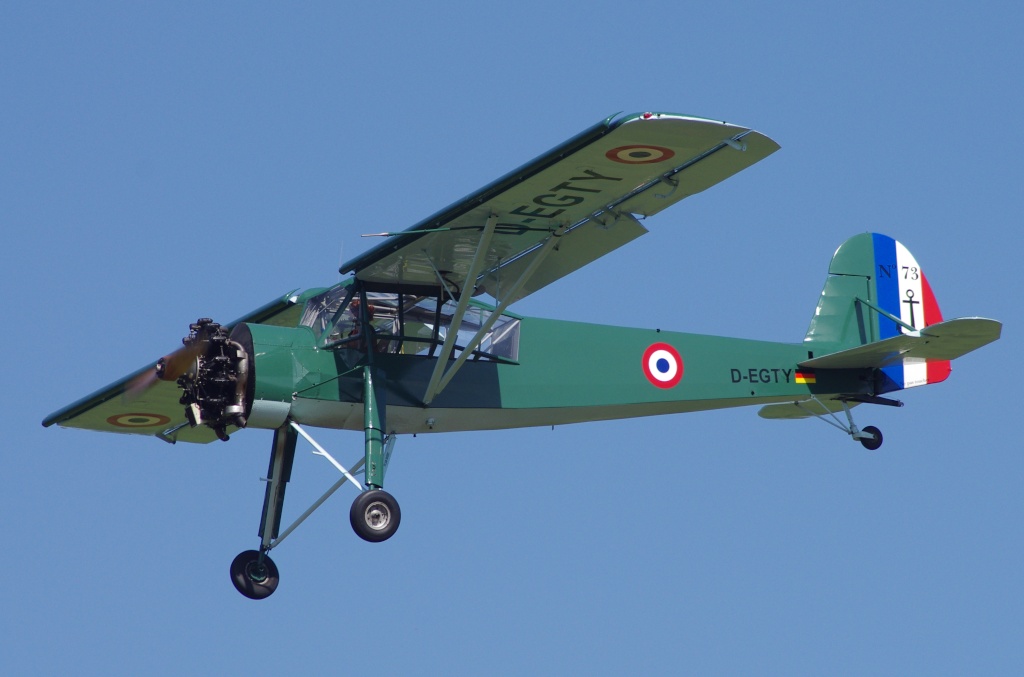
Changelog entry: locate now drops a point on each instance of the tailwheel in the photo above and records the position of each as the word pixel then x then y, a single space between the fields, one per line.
pixel 254 574
pixel 375 515
pixel 869 436
pixel 874 441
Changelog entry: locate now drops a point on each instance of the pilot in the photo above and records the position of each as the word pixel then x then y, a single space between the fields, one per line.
pixel 380 345
pixel 357 322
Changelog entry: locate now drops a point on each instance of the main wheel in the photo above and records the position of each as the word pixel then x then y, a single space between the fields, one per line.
pixel 875 441
pixel 254 575
pixel 375 515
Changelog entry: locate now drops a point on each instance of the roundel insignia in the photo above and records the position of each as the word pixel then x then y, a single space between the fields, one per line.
pixel 662 365
pixel 639 155
pixel 138 420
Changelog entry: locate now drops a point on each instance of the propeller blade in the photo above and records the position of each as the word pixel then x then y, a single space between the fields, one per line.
pixel 168 368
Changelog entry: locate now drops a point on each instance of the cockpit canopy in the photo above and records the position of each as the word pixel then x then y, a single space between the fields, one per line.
pixel 403 323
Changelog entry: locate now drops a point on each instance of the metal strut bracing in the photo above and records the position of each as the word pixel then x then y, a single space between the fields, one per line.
pixel 434 386
pixel 443 373
pixel 830 417
pixel 281 459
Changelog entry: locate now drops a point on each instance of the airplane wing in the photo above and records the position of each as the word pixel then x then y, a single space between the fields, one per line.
pixel 586 192
pixel 156 410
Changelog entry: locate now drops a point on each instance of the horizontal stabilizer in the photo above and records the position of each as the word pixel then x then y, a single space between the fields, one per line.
pixel 942 341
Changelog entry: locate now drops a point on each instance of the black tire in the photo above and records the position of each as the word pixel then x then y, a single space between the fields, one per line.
pixel 254 577
pixel 871 444
pixel 375 515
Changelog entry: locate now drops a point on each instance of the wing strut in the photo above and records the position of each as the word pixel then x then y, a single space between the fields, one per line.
pixel 434 386
pixel 439 381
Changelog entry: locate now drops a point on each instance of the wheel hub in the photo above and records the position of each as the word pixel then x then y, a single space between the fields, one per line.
pixel 257 572
pixel 377 516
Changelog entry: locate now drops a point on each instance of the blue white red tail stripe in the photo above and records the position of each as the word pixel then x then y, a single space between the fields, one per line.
pixel 903 291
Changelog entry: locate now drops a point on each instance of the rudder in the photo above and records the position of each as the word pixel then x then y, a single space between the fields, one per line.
pixel 876 290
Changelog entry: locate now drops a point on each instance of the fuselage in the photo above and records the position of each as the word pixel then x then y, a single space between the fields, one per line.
pixel 564 372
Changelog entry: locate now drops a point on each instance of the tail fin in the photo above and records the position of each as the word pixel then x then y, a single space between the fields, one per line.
pixel 874 311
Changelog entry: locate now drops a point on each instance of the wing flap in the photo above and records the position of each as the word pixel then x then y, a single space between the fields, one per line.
pixel 574 250
pixel 941 341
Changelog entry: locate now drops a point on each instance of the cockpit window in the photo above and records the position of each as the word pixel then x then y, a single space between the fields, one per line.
pixel 407 324
pixel 321 309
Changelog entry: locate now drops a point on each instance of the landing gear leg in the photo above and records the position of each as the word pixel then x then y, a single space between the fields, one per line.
pixel 375 514
pixel 374 409
pixel 253 573
pixel 278 476
pixel 870 436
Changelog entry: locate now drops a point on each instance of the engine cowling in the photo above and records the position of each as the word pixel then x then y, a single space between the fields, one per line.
pixel 246 378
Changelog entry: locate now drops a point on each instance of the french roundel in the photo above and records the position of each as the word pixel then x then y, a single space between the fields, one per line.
pixel 639 155
pixel 662 365
pixel 138 420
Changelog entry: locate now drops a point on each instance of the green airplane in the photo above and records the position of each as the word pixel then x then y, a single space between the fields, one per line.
pixel 405 345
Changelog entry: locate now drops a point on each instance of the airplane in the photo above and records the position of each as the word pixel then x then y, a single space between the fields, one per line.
pixel 408 345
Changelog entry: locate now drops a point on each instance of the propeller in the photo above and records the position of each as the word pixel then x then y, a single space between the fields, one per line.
pixel 212 371
pixel 184 360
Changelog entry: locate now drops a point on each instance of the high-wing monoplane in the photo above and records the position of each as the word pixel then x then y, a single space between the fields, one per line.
pixel 407 344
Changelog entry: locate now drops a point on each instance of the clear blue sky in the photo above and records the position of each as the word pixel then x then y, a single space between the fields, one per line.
pixel 162 163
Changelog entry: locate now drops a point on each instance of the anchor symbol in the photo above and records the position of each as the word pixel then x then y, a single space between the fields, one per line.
pixel 911 302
